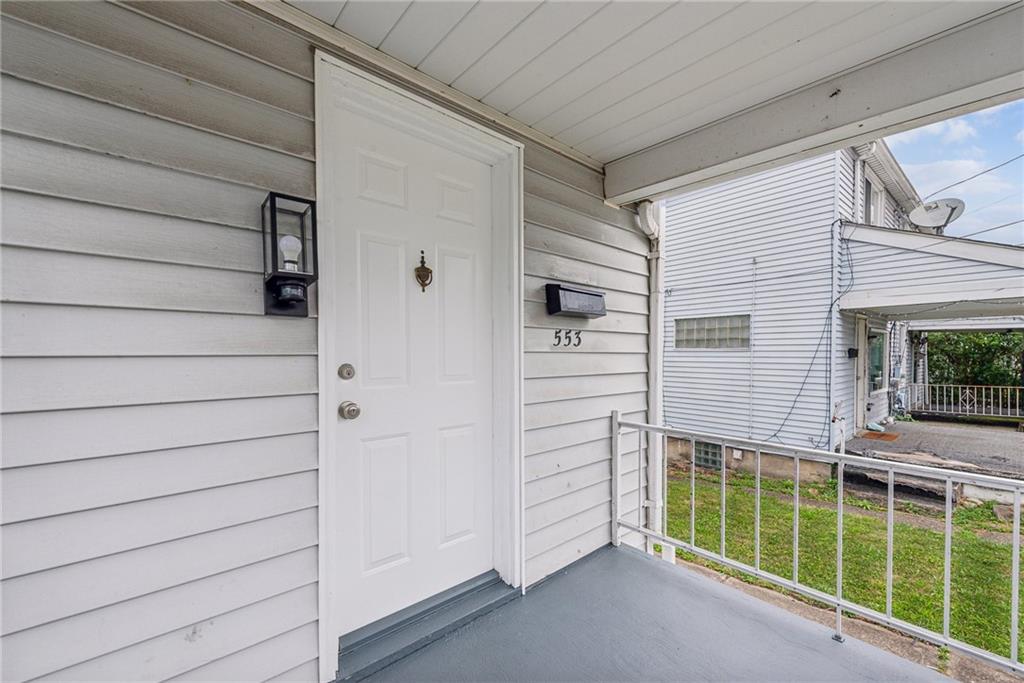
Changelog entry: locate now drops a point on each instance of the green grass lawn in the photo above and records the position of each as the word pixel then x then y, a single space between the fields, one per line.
pixel 980 585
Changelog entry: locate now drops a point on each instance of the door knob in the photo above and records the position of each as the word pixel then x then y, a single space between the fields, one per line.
pixel 349 410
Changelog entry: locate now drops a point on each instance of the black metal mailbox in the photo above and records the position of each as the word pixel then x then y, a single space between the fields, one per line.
pixel 574 301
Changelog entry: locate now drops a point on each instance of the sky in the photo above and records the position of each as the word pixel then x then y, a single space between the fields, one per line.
pixel 943 153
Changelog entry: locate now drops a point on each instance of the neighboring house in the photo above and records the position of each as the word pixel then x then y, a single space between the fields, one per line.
pixel 764 332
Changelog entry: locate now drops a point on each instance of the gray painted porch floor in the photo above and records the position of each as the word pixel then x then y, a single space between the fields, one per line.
pixel 620 615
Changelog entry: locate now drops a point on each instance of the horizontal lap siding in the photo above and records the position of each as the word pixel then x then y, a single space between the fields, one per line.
pixel 876 266
pixel 139 140
pixel 159 433
pixel 782 219
pixel 572 236
pixel 844 368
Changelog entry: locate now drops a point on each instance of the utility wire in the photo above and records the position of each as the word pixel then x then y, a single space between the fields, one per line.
pixel 996 227
pixel 985 206
pixel 987 170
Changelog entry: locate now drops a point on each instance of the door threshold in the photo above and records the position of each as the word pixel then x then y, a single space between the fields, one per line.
pixel 372 647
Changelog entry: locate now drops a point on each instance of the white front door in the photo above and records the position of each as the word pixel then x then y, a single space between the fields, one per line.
pixel 411 485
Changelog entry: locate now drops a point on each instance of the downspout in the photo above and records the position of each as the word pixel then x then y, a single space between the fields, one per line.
pixel 650 218
pixel 832 296
pixel 859 217
pixel 858 190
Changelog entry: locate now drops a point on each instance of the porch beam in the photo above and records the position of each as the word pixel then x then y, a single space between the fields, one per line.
pixel 971 67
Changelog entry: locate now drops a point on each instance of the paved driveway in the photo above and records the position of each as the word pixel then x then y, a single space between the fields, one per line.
pixel 995 449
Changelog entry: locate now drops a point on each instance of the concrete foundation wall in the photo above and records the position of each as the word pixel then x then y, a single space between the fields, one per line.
pixel 773 465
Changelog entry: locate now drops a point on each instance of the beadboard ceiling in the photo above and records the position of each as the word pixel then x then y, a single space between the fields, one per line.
pixel 613 78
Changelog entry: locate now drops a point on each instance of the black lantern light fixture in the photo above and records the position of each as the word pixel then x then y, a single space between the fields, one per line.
pixel 289 254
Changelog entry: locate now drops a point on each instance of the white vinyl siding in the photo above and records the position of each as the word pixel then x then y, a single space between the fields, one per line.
pixel 782 218
pixel 876 266
pixel 139 141
pixel 159 432
pixel 572 237
pixel 844 368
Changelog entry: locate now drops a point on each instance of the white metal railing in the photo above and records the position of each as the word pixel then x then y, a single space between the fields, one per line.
pixel 966 399
pixel 1011 488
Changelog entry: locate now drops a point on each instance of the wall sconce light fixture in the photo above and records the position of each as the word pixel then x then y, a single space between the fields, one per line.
pixel 289 254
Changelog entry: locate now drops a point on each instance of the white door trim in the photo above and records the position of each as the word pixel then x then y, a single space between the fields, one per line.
pixel 367 93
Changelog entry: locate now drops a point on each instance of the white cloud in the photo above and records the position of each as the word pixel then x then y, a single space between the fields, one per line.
pixel 953 130
pixel 958 130
pixel 1020 136
pixel 929 177
pixel 974 151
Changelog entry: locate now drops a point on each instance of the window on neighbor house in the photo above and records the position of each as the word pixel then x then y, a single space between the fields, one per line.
pixel 876 360
pixel 719 332
pixel 867 201
pixel 708 454
pixel 874 202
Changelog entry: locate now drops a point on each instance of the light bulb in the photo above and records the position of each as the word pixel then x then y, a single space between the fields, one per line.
pixel 290 247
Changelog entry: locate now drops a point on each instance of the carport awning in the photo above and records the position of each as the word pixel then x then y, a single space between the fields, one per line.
pixel 907 275
pixel 904 274
pixel 1002 297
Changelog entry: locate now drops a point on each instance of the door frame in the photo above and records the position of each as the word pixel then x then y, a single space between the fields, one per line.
pixel 363 92
pixel 860 375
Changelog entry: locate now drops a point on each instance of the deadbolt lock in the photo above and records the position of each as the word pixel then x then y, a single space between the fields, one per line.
pixel 349 410
pixel 346 371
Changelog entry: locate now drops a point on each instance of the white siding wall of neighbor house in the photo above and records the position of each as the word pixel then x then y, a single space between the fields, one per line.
pixel 782 218
pixel 139 141
pixel 877 266
pixel 844 383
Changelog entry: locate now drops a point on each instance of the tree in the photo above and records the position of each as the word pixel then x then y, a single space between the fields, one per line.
pixel 987 358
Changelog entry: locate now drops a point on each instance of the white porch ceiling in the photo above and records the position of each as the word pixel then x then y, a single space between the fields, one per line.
pixel 612 78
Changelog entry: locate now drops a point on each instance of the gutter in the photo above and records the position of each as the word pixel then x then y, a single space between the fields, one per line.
pixel 651 218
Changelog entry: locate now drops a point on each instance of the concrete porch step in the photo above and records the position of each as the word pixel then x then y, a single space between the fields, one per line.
pixel 374 646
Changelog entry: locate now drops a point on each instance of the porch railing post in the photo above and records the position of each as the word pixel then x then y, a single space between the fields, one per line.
pixel 889 543
pixel 947 558
pixel 668 553
pixel 616 479
pixel 1015 578
pixel 839 556
pixel 796 519
pixel 693 491
pixel 721 515
pixel 757 509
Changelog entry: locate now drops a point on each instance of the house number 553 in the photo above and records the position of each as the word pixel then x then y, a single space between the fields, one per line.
pixel 568 337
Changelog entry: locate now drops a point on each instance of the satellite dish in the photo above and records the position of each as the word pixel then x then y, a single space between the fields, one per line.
pixel 937 213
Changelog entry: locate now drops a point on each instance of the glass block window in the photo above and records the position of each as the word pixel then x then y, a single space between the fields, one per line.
pixel 708 454
pixel 719 332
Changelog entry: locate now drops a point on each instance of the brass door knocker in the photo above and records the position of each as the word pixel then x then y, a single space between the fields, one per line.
pixel 424 275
